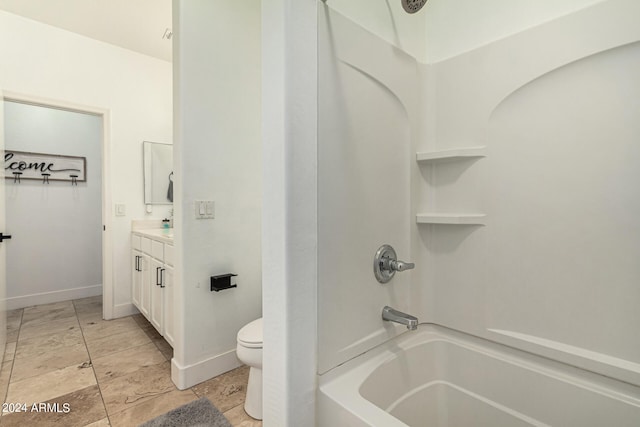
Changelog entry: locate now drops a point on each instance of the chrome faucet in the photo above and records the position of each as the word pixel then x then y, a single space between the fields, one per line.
pixel 392 315
pixel 386 263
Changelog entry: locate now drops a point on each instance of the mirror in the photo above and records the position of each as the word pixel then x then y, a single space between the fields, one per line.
pixel 158 173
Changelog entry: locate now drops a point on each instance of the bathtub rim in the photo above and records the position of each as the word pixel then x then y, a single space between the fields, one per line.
pixel 337 384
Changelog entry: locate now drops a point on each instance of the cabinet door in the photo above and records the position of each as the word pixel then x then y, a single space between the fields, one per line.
pixel 145 285
pixel 157 292
pixel 169 324
pixel 136 278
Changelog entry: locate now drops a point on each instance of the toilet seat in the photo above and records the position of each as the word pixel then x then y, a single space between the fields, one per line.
pixel 250 336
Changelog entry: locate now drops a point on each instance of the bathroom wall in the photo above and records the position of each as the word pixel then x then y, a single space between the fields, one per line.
pixel 550 104
pixel 551 270
pixel 289 211
pixel 46 62
pixel 217 157
pixel 387 20
pixel 368 125
pixel 457 26
pixel 56 251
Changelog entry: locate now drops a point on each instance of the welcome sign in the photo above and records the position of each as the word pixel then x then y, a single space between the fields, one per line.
pixel 38 166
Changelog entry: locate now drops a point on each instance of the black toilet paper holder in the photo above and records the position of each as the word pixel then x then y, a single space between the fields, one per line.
pixel 222 282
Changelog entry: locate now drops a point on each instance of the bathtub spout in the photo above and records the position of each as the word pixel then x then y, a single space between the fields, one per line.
pixel 392 315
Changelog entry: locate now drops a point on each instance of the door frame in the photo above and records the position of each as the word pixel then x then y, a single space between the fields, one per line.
pixel 107 235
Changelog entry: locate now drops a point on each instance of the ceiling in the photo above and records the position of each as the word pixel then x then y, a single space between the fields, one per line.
pixel 137 25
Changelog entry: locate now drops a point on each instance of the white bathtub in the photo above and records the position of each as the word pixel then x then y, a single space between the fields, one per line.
pixel 438 377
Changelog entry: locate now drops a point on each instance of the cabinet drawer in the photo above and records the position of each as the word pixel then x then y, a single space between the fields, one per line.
pixel 135 241
pixel 146 245
pixel 157 250
pixel 168 255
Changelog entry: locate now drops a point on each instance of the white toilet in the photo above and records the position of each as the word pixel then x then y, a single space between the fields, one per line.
pixel 249 351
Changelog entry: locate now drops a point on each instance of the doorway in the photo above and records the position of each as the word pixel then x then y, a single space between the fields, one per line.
pixel 59 222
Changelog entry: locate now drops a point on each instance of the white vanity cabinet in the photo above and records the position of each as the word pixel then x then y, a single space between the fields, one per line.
pixel 153 284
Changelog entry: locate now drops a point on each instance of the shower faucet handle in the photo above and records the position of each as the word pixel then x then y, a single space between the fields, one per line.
pixel 401 265
pixel 385 264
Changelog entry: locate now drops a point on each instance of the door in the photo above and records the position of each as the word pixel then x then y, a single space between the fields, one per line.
pixel 3 243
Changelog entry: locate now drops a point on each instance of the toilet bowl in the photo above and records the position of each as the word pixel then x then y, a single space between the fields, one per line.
pixel 249 351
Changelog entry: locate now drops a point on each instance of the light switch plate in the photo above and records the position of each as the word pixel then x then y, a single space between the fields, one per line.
pixel 204 209
pixel 121 209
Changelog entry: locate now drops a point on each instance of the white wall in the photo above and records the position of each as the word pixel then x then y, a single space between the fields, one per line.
pixel 56 252
pixel 551 271
pixel 442 29
pixel 290 217
pixel 368 126
pixel 457 26
pixel 388 20
pixel 217 157
pixel 45 62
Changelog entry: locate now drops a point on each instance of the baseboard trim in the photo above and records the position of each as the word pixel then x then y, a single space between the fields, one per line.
pixel 188 376
pixel 55 296
pixel 122 310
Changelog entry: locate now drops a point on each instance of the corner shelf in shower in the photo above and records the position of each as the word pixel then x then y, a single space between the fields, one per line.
pixel 428 157
pixel 451 219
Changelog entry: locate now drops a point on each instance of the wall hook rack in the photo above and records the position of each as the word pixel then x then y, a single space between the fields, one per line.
pixel 45 178
pixel 74 179
pixel 16 177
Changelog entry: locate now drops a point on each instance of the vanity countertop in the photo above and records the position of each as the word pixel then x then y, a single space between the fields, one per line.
pixel 162 234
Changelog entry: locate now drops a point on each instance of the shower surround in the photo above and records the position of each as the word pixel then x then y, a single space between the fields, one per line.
pixel 502 165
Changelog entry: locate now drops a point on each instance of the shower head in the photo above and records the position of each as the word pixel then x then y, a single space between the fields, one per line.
pixel 412 6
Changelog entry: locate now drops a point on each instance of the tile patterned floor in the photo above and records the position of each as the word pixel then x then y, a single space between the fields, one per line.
pixel 109 373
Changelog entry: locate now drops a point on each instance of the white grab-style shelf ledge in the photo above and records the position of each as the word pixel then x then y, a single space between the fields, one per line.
pixel 455 154
pixel 453 219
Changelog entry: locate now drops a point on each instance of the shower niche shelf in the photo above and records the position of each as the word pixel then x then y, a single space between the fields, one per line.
pixel 428 157
pixel 451 219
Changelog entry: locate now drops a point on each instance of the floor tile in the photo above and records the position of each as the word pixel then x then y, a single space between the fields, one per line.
pixel 14 318
pixel 50 385
pixel 48 343
pixel 127 361
pixel 104 346
pixel 86 318
pixel 32 330
pixel 12 335
pixel 137 387
pixel 5 375
pixel 94 300
pixel 47 312
pixel 239 418
pixel 152 408
pixel 84 407
pixel 104 328
pixel 225 391
pixel 140 319
pixel 49 361
pixel 100 423
pixel 10 351
pixel 151 331
pixel 164 348
pixel 88 307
